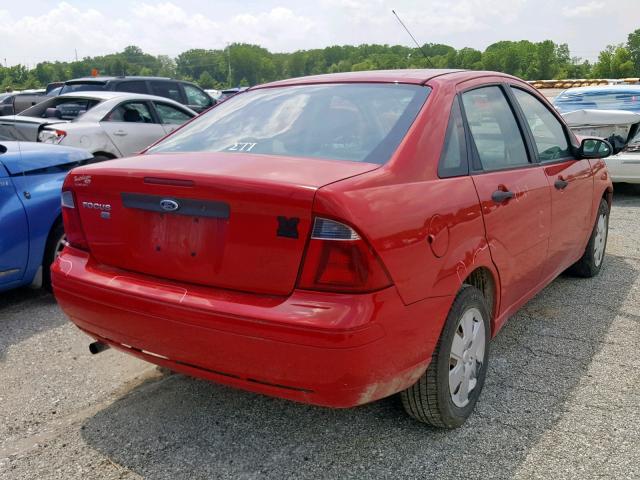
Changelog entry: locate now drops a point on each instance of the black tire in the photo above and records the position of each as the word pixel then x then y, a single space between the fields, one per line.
pixel 590 263
pixel 55 236
pixel 430 400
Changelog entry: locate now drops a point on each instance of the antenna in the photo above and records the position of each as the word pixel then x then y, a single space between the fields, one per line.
pixel 414 40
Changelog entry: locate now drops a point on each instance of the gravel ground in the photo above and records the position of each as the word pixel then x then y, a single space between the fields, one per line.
pixel 561 401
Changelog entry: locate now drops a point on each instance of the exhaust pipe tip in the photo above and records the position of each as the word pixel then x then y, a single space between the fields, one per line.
pixel 97 347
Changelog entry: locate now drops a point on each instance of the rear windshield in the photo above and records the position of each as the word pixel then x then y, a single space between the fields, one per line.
pixel 599 100
pixel 356 122
pixel 62 108
pixel 83 87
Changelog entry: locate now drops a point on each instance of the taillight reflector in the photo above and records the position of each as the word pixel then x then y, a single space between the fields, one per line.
pixel 72 224
pixel 339 260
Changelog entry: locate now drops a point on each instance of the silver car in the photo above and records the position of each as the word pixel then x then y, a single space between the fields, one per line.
pixel 108 124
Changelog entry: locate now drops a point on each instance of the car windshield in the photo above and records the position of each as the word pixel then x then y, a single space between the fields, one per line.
pixel 356 122
pixel 54 92
pixel 83 87
pixel 599 99
pixel 62 108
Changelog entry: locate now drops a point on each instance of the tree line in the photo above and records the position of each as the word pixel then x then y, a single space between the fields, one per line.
pixel 241 64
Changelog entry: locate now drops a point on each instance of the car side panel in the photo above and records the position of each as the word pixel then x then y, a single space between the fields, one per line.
pixel 624 167
pixel 14 237
pixel 91 137
pixel 428 245
pixel 518 230
pixel 42 209
pixel 131 138
pixel 602 188
pixel 570 213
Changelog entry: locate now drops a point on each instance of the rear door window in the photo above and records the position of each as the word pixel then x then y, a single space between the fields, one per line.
pixel 453 160
pixel 170 115
pixel 356 122
pixel 494 129
pixel 166 89
pixel 133 112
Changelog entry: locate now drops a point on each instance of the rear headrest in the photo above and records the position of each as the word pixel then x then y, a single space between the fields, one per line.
pixel 132 116
pixel 52 112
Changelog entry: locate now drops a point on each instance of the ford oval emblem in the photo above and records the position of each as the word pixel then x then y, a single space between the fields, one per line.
pixel 169 205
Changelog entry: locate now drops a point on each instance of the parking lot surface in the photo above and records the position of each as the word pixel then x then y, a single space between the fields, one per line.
pixel 561 401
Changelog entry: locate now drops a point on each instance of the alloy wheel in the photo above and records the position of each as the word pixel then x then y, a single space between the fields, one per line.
pixel 600 240
pixel 467 356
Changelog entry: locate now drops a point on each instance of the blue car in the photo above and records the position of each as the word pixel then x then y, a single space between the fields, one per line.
pixel 31 232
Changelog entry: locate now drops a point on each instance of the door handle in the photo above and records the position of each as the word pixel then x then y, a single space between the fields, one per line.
pixel 120 133
pixel 561 184
pixel 501 196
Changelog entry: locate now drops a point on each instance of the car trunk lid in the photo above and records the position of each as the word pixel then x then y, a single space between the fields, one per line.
pixel 16 127
pixel 235 221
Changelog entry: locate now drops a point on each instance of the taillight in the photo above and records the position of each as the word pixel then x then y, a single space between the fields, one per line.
pixel 51 136
pixel 339 260
pixel 72 224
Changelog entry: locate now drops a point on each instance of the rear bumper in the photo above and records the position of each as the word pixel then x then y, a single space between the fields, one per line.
pixel 333 350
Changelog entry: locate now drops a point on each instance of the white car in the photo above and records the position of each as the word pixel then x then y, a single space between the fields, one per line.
pixel 107 124
pixel 625 166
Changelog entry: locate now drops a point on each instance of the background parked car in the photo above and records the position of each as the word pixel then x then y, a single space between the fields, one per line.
pixel 608 111
pixel 54 88
pixel 180 91
pixel 16 102
pixel 31 177
pixel 108 124
pixel 230 92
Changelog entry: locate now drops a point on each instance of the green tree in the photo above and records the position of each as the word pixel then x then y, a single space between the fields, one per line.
pixel 241 63
pixel 633 45
pixel 206 80
pixel 622 63
pixel 613 62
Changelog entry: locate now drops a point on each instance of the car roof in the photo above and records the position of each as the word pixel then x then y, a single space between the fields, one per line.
pixel 108 79
pixel 108 95
pixel 414 76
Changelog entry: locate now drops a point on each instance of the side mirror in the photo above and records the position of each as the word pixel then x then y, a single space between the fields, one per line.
pixel 594 148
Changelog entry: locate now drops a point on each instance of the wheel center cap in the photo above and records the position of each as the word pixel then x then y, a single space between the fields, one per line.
pixel 466 357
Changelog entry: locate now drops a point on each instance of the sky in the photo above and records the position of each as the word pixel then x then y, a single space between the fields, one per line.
pixel 32 31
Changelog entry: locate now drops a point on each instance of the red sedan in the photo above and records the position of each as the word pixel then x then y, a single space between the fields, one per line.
pixel 337 239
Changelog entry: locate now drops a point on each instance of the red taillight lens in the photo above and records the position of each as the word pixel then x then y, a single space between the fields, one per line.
pixel 338 260
pixel 72 224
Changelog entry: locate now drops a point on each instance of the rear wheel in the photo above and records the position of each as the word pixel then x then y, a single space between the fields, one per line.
pixel 591 262
pixel 448 391
pixel 55 244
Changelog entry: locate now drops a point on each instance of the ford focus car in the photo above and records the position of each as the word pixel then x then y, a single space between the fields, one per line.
pixel 337 239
